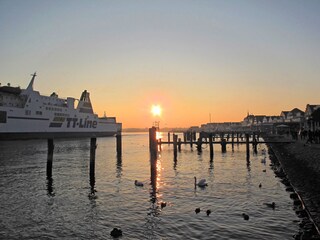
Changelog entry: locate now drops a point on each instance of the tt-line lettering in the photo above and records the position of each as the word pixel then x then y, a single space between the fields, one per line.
pixel 82 123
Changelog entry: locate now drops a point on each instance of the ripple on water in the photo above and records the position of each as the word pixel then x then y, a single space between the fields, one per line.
pixel 31 212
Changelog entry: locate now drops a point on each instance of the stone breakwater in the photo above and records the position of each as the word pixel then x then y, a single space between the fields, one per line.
pixel 299 163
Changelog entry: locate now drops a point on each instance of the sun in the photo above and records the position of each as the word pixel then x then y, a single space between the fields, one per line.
pixel 156 110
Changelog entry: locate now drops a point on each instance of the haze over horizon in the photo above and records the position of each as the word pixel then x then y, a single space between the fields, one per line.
pixel 193 58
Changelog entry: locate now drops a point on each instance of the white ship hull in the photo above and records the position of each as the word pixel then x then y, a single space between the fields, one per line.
pixel 27 114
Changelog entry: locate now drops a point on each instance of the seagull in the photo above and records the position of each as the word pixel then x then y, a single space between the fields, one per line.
pixel 201 183
pixel 260 185
pixel 197 210
pixel 137 183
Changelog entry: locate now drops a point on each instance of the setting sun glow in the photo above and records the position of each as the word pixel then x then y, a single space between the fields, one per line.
pixel 156 110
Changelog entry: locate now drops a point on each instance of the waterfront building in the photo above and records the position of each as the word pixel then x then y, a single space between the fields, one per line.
pixel 310 123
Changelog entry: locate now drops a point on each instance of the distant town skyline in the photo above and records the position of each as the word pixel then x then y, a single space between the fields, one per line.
pixel 196 60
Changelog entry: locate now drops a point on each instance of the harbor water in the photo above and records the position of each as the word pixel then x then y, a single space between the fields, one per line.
pixel 35 207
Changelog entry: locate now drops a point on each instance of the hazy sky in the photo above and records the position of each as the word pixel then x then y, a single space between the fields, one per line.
pixel 194 58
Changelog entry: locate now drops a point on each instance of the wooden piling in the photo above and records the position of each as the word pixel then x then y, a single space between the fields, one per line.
pixel 247 145
pixel 199 144
pixel 237 138
pixel 168 136
pixel 153 142
pixel 179 144
pixel 221 136
pixel 232 140
pixel 119 143
pixel 159 144
pixel 175 140
pixel 254 145
pixel 211 146
pixel 153 171
pixel 93 146
pixel 185 137
pixel 50 158
pixel 223 145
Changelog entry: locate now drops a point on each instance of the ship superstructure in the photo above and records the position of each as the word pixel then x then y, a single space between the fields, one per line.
pixel 24 113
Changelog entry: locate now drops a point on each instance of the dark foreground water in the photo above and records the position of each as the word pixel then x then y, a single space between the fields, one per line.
pixel 34 208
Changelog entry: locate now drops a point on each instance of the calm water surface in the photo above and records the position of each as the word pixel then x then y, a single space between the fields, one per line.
pixel 34 208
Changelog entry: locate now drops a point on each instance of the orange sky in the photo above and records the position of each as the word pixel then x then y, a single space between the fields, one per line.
pixel 194 58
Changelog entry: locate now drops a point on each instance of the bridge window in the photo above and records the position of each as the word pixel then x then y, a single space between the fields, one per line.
pixel 3 116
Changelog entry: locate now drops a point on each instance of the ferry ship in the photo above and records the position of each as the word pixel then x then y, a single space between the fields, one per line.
pixel 25 114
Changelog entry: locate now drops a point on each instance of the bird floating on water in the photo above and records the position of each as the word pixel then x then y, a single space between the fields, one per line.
pixel 137 183
pixel 197 210
pixel 201 183
pixel 116 232
pixel 163 204
pixel 208 212
pixel 271 205
pixel 245 216
pixel 260 185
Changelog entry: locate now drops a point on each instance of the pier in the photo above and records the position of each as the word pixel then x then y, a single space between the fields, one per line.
pixel 249 138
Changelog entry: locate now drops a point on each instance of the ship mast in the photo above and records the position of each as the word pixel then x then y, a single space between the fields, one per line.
pixel 30 86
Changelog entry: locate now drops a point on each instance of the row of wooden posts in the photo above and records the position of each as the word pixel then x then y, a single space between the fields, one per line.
pixel 155 145
pixel 93 146
pixel 189 138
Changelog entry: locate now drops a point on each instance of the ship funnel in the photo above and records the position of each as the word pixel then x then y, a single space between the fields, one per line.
pixel 84 104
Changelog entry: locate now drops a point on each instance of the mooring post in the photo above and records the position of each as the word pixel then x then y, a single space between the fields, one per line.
pixel 168 137
pixel 50 158
pixel 255 144
pixel 194 136
pixel 119 143
pixel 175 139
pixel 237 138
pixel 247 145
pixel 221 136
pixel 93 146
pixel 223 145
pixel 179 144
pixel 153 142
pixel 232 140
pixel 253 138
pixel 190 139
pixel 159 144
pixel 185 137
pixel 199 144
pixel 211 146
